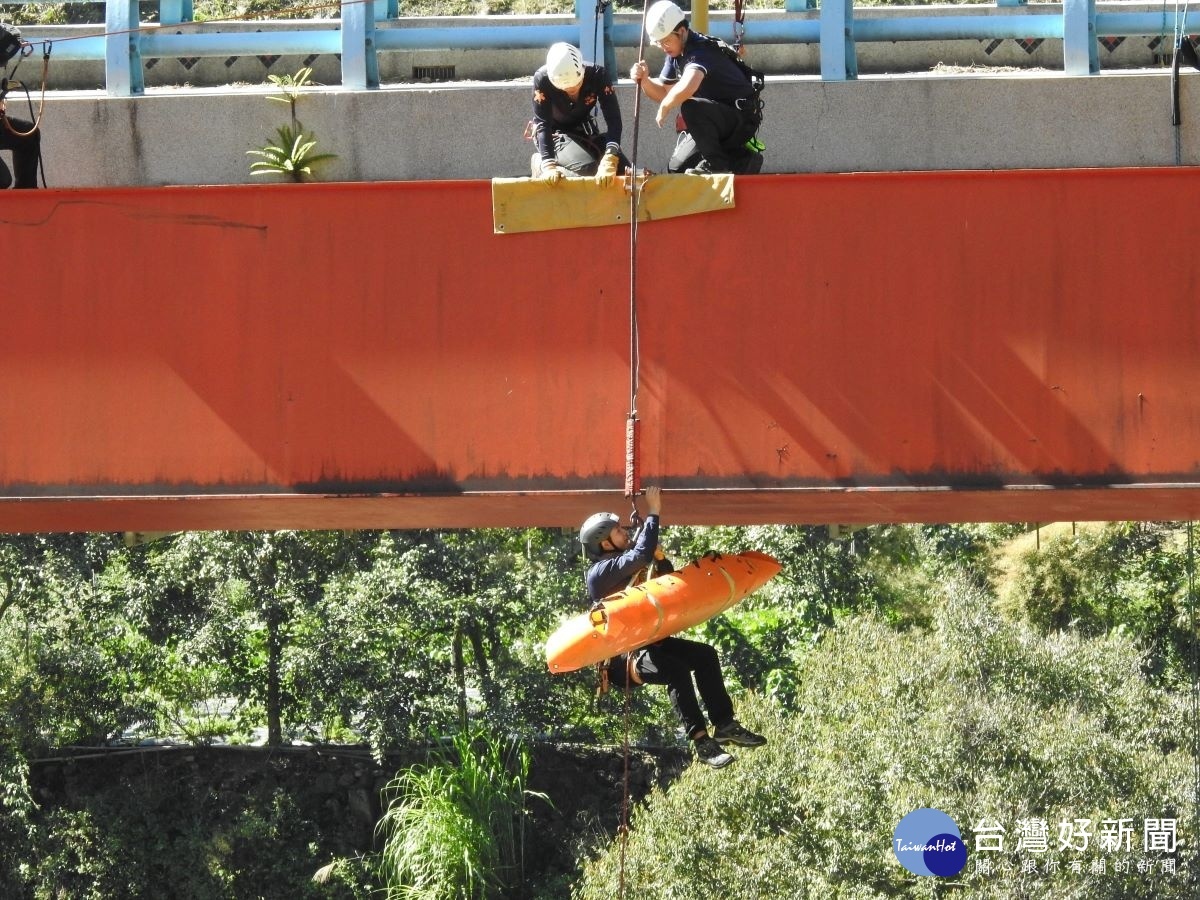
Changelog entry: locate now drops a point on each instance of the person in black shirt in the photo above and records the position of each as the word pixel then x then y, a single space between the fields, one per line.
pixel 620 558
pixel 566 94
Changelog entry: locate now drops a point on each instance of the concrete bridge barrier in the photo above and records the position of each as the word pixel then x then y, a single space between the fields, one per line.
pixel 474 130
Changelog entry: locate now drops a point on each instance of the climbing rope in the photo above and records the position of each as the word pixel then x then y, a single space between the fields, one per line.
pixel 1179 53
pixel 10 83
pixel 632 426
pixel 623 827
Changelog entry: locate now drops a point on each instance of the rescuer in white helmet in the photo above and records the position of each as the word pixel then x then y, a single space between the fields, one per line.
pixel 566 93
pixel 619 557
pixel 716 95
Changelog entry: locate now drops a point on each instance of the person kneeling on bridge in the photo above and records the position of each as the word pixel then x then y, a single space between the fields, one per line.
pixel 566 93
pixel 620 558
pixel 23 138
pixel 717 95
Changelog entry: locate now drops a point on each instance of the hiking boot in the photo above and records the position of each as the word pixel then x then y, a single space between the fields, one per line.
pixel 734 733
pixel 751 164
pixel 711 753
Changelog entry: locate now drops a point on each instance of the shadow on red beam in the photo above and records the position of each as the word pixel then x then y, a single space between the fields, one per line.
pixel 566 509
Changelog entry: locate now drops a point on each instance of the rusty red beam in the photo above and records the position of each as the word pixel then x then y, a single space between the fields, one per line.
pixel 924 347
pixel 568 509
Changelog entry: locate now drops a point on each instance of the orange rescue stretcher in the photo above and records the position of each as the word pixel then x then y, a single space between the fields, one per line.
pixel 657 608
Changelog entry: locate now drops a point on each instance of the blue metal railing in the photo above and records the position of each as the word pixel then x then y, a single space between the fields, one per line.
pixel 356 38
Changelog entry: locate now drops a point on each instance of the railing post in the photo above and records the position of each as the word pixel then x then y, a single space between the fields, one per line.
pixel 123 76
pixel 360 65
pixel 386 9
pixel 172 12
pixel 838 60
pixel 1080 56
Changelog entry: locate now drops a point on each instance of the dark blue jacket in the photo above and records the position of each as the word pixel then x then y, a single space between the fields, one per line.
pixel 723 80
pixel 613 571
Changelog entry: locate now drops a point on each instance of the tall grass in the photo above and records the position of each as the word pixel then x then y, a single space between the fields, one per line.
pixel 454 827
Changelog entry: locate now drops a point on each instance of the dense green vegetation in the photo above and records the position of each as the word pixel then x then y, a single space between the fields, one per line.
pixel 976 717
pixel 992 675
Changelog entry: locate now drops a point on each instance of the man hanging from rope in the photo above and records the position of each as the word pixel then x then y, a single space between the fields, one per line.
pixel 21 137
pixel 566 93
pixel 620 558
pixel 716 95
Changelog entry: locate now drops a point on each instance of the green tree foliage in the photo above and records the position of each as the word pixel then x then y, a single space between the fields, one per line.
pixel 826 577
pixel 220 613
pixel 439 627
pixel 17 817
pixel 155 834
pixel 327 635
pixel 63 671
pixel 977 717
pixel 1131 576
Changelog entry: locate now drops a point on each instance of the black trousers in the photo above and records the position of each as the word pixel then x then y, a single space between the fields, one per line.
pixel 674 662
pixel 580 153
pixel 716 132
pixel 24 151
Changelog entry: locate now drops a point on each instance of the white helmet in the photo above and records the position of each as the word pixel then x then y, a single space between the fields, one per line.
pixel 662 18
pixel 564 65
